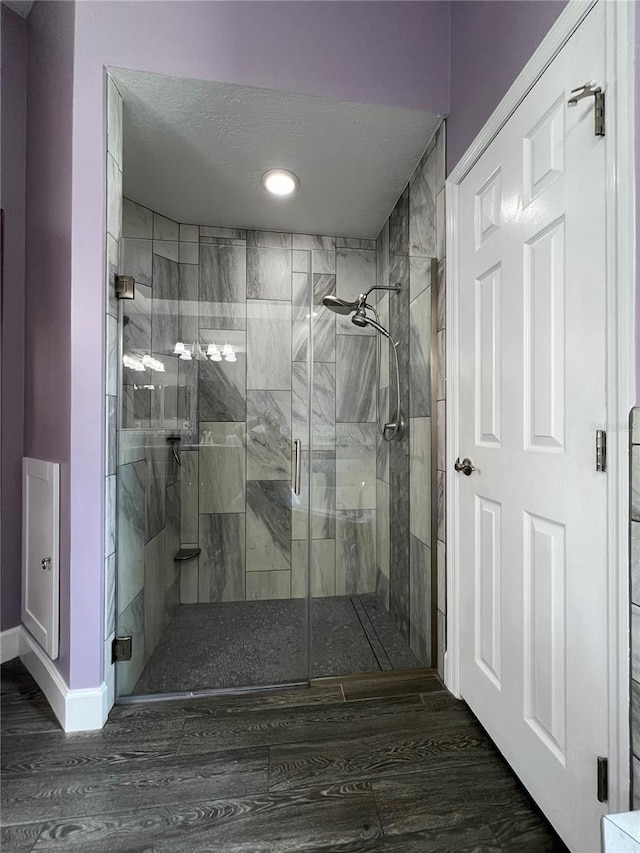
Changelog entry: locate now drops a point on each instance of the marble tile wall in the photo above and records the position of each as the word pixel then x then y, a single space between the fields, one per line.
pixel 405 539
pixel 257 292
pixel 634 539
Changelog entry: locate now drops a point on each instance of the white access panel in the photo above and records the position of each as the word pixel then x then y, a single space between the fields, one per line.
pixel 41 552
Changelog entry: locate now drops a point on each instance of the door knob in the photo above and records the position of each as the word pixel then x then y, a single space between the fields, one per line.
pixel 466 466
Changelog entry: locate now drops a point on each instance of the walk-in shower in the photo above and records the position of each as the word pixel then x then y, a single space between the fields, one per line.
pixel 392 430
pixel 270 406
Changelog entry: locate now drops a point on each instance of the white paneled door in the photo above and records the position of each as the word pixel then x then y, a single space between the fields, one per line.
pixel 532 515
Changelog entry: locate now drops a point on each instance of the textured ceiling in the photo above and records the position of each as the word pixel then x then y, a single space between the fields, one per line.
pixel 195 151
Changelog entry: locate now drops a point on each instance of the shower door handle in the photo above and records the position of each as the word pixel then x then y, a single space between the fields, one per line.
pixel 297 476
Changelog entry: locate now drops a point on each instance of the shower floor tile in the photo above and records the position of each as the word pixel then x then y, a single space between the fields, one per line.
pixel 254 643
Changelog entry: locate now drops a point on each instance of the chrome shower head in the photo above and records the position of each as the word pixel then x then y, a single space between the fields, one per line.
pixel 339 306
pixel 360 318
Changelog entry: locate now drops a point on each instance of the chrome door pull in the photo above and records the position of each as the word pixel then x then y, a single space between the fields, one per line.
pixel 297 477
pixel 466 466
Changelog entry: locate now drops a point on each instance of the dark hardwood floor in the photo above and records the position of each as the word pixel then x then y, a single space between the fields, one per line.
pixel 385 763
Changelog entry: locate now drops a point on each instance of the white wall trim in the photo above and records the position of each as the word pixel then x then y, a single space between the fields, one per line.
pixel 10 643
pixel 76 710
pixel 620 241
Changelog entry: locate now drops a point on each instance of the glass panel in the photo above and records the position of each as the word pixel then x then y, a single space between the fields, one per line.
pixel 212 577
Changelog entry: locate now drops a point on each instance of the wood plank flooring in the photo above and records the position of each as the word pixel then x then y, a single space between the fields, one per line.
pixel 356 765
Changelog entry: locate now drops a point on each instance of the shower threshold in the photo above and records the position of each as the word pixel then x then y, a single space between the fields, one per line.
pixel 234 647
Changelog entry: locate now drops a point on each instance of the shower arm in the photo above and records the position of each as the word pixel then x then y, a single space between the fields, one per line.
pixel 362 299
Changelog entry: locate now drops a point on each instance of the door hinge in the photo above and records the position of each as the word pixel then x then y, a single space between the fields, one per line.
pixel 603 779
pixel 125 287
pixel 586 91
pixel 121 649
pixel 601 450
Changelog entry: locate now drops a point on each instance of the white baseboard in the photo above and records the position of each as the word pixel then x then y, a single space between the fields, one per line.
pixel 10 643
pixel 76 710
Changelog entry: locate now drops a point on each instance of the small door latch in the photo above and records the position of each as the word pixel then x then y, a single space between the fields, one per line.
pixel 603 779
pixel 601 450
pixel 45 563
pixel 587 91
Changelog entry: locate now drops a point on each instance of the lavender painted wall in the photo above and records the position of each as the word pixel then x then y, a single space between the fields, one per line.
pixel 48 344
pixel 491 42
pixel 13 82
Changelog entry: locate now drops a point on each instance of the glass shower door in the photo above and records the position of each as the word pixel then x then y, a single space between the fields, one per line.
pixel 212 547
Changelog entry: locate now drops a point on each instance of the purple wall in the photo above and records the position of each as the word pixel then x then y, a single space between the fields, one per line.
pixel 13 81
pixel 491 42
pixel 48 344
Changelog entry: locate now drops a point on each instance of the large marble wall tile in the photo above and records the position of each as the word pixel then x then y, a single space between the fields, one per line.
pixel 442 510
pixel 355 466
pixel 442 290
pixel 110 510
pixel 440 157
pixel 420 488
pixel 324 321
pixel 420 356
pixel 440 366
pixel 419 276
pixel 131 531
pixel 300 261
pixel 269 345
pixel 189 577
pixel 382 527
pixel 300 503
pixel 442 576
pixel 300 312
pixel 355 379
pixel 109 595
pixel 356 243
pixel 310 241
pixel 222 467
pixel 223 287
pixel 268 586
pixel 300 401
pixel 214 233
pixel 136 332
pixel 172 534
pixel 189 307
pixel 156 459
pixel 382 261
pixel 268 525
pixel 269 435
pixel 131 623
pixel 136 407
pixel 324 406
pixel 168 249
pixel 165 229
pixel 441 438
pixel 441 225
pixel 113 269
pixel 222 389
pixel 165 309
pixel 189 497
pixel 189 233
pixel 154 592
pixel 323 497
pixel 189 253
pixel 112 356
pixel 132 446
pixel 422 211
pixel 382 446
pixel 221 562
pixel 164 394
pixel 323 261
pixel 382 589
pixel 111 458
pixel 355 274
pixel 399 228
pixel 137 221
pixel 268 274
pixel 188 401
pixel 269 239
pixel 323 568
pixel 137 261
pixel 420 601
pixel 355 551
pixel 114 120
pixel 114 198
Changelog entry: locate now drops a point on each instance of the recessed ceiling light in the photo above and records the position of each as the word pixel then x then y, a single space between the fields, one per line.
pixel 280 182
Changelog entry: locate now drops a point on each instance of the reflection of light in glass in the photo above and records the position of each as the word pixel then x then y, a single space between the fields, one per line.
pixel 153 363
pixel 199 352
pixel 212 349
pixel 132 363
pixel 186 355
pixel 179 348
pixel 228 353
